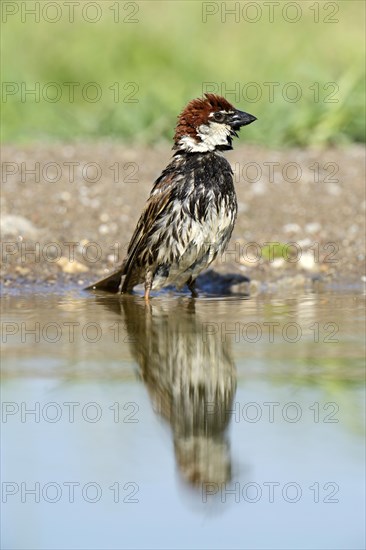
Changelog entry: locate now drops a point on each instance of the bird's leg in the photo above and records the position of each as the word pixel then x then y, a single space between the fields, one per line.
pixel 192 287
pixel 148 285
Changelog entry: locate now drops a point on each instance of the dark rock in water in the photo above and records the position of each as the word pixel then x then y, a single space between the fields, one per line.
pixel 218 283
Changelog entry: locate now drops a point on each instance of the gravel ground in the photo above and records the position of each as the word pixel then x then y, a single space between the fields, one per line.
pixel 68 212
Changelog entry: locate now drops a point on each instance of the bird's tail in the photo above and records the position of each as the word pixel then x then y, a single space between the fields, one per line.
pixel 108 284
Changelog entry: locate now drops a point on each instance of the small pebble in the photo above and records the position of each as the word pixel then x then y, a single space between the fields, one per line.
pixel 65 196
pixel 291 228
pixel 103 229
pixel 23 271
pixel 277 263
pixel 313 227
pixel 12 225
pixel 307 262
pixel 71 267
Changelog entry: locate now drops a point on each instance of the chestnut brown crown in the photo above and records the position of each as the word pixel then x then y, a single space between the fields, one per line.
pixel 209 123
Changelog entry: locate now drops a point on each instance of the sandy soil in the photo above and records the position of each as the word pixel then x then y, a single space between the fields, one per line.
pixel 70 219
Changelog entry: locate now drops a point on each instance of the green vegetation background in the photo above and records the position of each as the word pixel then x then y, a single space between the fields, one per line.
pixel 168 54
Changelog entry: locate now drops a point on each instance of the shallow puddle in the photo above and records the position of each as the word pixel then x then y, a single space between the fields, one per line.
pixel 231 422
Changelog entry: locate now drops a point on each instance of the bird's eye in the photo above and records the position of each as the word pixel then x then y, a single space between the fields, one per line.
pixel 219 117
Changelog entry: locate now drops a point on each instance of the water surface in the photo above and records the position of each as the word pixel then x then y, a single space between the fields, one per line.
pixel 232 422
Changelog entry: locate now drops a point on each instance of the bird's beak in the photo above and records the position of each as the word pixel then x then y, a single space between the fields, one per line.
pixel 240 119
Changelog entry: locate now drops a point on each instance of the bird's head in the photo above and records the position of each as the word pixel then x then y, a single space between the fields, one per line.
pixel 209 124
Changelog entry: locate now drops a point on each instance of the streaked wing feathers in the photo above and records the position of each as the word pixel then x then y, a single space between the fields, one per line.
pixel 159 198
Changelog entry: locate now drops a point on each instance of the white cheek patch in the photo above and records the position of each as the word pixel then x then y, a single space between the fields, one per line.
pixel 212 135
pixel 188 143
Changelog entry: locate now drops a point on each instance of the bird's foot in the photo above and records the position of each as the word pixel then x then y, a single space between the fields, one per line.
pixel 192 287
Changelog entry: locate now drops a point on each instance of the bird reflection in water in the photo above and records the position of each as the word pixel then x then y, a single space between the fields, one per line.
pixel 191 379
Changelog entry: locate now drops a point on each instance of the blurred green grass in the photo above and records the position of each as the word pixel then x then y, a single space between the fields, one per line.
pixel 168 55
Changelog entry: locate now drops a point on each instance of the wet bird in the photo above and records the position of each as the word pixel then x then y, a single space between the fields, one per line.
pixel 190 214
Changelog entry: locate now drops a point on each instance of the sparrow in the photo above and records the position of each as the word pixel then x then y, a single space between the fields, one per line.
pixel 190 214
